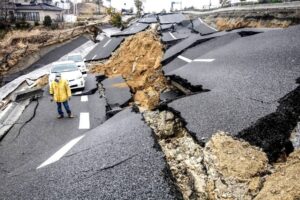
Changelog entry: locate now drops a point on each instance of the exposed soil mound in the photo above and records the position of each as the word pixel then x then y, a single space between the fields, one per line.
pixel 284 184
pixel 234 23
pixel 138 61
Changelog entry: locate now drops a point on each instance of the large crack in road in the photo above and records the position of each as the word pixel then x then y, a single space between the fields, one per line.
pixel 225 167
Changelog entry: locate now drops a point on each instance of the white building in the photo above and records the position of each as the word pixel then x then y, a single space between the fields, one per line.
pixel 159 5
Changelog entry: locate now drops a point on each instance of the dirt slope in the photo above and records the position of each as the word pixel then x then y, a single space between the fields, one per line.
pixel 138 61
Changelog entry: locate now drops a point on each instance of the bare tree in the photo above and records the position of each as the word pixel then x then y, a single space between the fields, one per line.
pixel 138 5
pixel 4 10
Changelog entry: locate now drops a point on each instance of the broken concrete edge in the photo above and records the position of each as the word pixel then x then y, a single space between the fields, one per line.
pixel 197 183
pixel 105 58
pixel 111 110
pixel 12 117
pixel 167 174
pixel 27 94
pixel 272 132
pixel 197 42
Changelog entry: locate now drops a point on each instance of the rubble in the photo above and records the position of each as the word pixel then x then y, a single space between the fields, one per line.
pixel 284 183
pixel 138 61
pixel 235 169
pixel 225 168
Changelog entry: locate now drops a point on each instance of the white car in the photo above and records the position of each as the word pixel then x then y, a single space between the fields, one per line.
pixel 70 72
pixel 77 58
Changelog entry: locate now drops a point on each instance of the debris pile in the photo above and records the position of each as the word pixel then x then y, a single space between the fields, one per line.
pixel 138 61
pixel 225 168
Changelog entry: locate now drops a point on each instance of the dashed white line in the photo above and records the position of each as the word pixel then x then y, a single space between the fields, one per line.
pixel 172 36
pixel 203 60
pixel 106 43
pixel 84 98
pixel 61 152
pixel 185 59
pixel 79 92
pixel 94 56
pixel 84 121
pixel 207 25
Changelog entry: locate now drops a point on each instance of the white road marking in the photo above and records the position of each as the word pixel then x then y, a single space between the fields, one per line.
pixel 106 43
pixel 84 98
pixel 203 60
pixel 84 121
pixel 61 152
pixel 79 92
pixel 207 24
pixel 185 59
pixel 172 36
pixel 94 56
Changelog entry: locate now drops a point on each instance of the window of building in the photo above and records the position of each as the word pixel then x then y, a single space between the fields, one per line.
pixel 28 16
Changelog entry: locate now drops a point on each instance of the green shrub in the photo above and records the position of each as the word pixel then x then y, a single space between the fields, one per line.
pixel 36 23
pixel 47 21
pixel 22 25
pixel 116 20
pixel 54 26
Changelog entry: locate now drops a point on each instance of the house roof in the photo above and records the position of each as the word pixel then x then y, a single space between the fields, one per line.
pixel 39 6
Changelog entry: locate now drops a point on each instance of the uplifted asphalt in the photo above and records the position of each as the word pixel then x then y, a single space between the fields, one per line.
pixel 246 80
pixel 198 50
pixel 104 49
pixel 116 160
pixel 117 92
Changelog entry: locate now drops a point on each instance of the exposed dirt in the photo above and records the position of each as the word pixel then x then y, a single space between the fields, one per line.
pixel 284 184
pixel 42 82
pixel 17 45
pixel 225 168
pixel 138 61
pixel 234 23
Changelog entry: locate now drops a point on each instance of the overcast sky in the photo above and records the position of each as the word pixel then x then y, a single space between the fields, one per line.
pixel 158 5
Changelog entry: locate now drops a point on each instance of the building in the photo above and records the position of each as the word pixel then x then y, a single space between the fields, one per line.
pixel 37 12
pixel 30 10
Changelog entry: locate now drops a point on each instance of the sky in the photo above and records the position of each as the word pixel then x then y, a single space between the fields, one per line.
pixel 159 5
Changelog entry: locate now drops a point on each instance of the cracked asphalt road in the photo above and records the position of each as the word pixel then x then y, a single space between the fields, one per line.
pixel 119 158
pixel 116 160
pixel 246 79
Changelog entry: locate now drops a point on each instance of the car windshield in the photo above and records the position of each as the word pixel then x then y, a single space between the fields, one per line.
pixel 75 58
pixel 64 68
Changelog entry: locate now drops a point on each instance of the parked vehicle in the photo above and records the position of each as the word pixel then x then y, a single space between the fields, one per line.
pixel 70 72
pixel 77 58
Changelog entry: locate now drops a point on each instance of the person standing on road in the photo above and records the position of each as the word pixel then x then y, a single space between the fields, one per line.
pixel 61 93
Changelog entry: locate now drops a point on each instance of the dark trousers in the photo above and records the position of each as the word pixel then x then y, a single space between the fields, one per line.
pixel 66 105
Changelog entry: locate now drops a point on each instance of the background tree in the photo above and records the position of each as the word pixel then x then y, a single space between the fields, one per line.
pixel 138 4
pixel 47 21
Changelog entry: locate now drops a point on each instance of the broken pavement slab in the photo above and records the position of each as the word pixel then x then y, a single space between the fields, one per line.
pixel 141 69
pixel 131 30
pixel 193 39
pixel 104 49
pixel 201 27
pixel 177 34
pixel 171 18
pixel 194 52
pixel 117 92
pixel 10 115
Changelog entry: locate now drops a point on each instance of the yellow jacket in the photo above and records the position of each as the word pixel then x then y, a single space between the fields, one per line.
pixel 61 91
